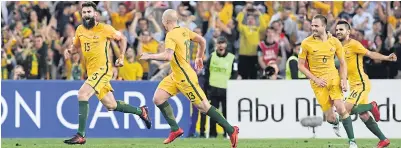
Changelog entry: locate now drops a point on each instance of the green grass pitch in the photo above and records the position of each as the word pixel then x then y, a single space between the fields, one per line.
pixel 192 143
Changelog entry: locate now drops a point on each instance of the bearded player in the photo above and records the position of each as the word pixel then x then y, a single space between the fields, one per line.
pixel 183 78
pixel 92 39
pixel 357 101
pixel 328 85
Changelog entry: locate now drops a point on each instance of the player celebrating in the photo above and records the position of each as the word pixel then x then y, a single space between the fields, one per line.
pixel 183 78
pixel 94 40
pixel 319 50
pixel 359 81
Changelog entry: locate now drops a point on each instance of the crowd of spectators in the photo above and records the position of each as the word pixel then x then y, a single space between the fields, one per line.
pixel 260 34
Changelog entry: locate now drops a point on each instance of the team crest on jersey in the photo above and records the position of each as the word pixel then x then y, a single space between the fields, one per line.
pixel 331 49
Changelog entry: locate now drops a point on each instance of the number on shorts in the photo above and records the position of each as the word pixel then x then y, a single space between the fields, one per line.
pixel 94 77
pixel 354 94
pixel 87 47
pixel 191 96
pixel 324 59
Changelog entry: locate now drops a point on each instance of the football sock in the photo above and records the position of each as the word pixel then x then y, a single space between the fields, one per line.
pixel 216 116
pixel 83 116
pixel 126 108
pixel 168 114
pixel 347 123
pixel 374 128
pixel 361 108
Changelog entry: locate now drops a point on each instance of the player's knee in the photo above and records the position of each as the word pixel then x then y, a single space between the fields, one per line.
pixel 157 101
pixel 348 109
pixel 203 106
pixel 364 116
pixel 83 96
pixel 110 106
pixel 160 96
pixel 340 107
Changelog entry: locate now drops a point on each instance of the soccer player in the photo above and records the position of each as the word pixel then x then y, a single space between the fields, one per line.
pixel 328 85
pixel 357 101
pixel 183 78
pixel 94 40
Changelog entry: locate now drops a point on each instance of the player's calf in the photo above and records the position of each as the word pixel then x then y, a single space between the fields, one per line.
pixel 160 99
pixel 373 127
pixel 346 119
pixel 364 116
pixel 84 93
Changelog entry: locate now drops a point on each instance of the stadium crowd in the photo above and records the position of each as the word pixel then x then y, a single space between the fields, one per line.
pixel 261 35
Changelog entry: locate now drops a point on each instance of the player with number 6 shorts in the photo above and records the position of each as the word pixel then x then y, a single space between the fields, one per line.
pixel 357 101
pixel 183 78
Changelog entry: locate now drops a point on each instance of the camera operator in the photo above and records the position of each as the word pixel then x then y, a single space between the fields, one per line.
pixel 220 67
pixel 271 71
pixel 269 54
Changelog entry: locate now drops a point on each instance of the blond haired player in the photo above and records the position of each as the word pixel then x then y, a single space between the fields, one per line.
pixel 328 85
pixel 183 78
pixel 93 39
pixel 357 101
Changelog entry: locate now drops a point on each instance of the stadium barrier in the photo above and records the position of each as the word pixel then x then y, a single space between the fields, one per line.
pixel 36 109
pixel 268 109
pixel 273 109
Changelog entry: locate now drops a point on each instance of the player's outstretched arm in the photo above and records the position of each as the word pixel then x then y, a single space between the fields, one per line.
pixel 360 49
pixel 167 55
pixel 377 56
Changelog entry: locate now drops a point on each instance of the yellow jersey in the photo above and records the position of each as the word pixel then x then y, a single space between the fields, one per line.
pixel 95 46
pixel 130 71
pixel 354 52
pixel 320 55
pixel 179 40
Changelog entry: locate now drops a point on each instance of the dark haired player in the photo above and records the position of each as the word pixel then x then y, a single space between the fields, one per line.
pixel 357 101
pixel 92 39
pixel 328 85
